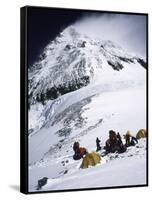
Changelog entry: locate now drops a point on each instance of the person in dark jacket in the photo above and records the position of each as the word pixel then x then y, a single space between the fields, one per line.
pixel 128 138
pixel 119 137
pixel 114 143
pixel 110 146
pixel 134 141
pixel 76 146
pixel 79 152
pixel 98 144
pixel 113 140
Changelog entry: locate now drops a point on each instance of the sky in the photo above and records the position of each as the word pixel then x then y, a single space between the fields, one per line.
pixel 129 31
pixel 44 24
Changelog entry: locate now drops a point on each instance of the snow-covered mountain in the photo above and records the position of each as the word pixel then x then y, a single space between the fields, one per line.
pixel 79 89
pixel 73 61
pixel 70 62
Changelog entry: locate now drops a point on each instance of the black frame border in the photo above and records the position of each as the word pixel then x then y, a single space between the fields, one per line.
pixel 24 100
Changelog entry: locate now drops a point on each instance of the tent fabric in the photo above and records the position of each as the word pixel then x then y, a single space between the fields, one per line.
pixel 141 134
pixel 91 159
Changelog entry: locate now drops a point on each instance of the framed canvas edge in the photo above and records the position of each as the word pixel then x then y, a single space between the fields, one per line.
pixel 24 101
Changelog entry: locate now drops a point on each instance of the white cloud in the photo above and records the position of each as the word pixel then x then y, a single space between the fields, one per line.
pixel 129 31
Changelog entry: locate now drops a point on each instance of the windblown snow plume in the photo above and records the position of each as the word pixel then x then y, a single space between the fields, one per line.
pixel 129 31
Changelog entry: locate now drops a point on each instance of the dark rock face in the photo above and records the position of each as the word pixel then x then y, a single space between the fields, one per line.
pixel 142 62
pixel 83 44
pixel 64 132
pixel 42 182
pixel 67 47
pixel 55 92
pixel 42 56
pixel 66 65
pixel 115 65
pixel 124 59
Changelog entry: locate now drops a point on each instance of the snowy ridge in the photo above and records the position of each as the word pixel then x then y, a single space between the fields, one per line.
pixel 126 79
pixel 67 66
pixel 70 62
pixel 79 90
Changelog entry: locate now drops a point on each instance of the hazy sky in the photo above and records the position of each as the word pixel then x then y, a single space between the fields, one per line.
pixel 44 24
pixel 129 31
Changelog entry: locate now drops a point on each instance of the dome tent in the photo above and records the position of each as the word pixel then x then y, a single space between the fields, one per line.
pixel 91 159
pixel 141 134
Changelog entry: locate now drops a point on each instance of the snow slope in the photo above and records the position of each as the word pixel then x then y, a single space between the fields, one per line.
pixel 104 98
pixel 72 61
pixel 124 169
pixel 113 96
pixel 52 152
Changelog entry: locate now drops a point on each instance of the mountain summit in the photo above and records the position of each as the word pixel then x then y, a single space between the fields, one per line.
pixel 72 61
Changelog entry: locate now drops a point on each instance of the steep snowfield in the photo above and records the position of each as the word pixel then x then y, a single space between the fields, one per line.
pixel 119 110
pixel 124 169
pixel 79 91
pixel 106 79
pixel 131 172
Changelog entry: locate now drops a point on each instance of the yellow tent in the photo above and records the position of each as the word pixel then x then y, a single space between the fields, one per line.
pixel 141 134
pixel 90 159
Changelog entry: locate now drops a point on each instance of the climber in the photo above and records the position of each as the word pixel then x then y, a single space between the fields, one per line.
pixel 119 137
pixel 79 152
pixel 134 141
pixel 98 144
pixel 130 140
pixel 111 142
pixel 114 143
